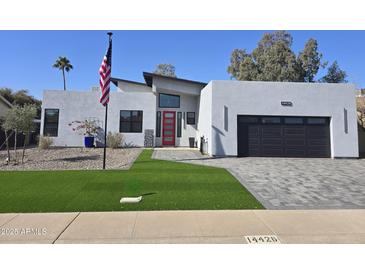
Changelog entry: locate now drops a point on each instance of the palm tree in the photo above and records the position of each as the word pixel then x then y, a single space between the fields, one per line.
pixel 62 63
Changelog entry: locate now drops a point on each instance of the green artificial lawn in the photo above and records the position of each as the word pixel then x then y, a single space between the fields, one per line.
pixel 165 185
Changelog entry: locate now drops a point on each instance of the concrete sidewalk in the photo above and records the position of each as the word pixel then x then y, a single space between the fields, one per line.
pixel 203 226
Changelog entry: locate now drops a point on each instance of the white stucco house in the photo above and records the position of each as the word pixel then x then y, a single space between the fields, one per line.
pixel 224 117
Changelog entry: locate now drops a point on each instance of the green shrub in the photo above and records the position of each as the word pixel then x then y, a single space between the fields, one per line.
pixel 45 142
pixel 114 140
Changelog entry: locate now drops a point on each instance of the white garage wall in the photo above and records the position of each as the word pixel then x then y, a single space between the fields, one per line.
pixel 264 98
pixel 205 116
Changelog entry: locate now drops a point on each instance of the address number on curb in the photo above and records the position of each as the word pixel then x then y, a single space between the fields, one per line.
pixel 262 239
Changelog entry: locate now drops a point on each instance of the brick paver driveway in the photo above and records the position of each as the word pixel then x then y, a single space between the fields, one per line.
pixel 290 183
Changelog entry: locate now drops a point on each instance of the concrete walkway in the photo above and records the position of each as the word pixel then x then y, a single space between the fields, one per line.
pixel 223 226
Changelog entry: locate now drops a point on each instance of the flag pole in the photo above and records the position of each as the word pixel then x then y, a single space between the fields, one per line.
pixel 106 106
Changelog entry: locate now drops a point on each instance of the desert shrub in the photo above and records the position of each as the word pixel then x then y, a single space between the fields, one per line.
pixel 114 140
pixel 45 142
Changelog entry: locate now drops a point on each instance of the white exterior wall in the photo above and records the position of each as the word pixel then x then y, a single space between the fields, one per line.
pixel 205 116
pixel 264 98
pixel 83 105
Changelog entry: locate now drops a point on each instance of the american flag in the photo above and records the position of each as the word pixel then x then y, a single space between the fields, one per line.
pixel 105 71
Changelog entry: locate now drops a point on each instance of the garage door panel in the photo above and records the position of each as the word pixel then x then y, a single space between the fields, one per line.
pixel 253 141
pixel 317 132
pixel 290 138
pixel 317 142
pixel 270 151
pixel 316 153
pixel 254 151
pixel 271 141
pixel 294 130
pixel 253 131
pixel 295 152
pixel 271 132
pixel 295 142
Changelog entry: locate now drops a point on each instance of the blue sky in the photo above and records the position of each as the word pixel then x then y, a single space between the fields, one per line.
pixel 27 56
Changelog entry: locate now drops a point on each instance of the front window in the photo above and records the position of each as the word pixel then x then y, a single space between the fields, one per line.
pixel 130 121
pixel 179 124
pixel 51 122
pixel 190 118
pixel 169 101
pixel 158 124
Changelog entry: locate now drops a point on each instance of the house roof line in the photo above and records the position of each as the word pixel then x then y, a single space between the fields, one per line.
pixel 6 101
pixel 116 80
pixel 148 78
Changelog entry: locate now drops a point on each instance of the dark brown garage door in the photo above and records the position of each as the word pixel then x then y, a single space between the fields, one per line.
pixel 276 136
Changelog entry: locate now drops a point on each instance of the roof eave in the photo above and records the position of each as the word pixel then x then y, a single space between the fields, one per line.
pixel 116 80
pixel 148 76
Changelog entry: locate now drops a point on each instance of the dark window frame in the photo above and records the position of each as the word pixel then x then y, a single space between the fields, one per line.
pixel 131 122
pixel 46 127
pixel 173 95
pixel 158 124
pixel 187 118
pixel 179 125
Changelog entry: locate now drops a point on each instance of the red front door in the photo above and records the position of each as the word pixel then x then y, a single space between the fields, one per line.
pixel 168 128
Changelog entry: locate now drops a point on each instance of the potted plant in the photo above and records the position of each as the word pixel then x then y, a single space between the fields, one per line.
pixel 88 128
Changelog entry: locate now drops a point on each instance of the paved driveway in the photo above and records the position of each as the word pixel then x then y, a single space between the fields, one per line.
pixel 290 183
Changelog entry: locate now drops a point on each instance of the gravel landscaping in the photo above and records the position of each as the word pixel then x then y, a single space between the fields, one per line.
pixel 72 159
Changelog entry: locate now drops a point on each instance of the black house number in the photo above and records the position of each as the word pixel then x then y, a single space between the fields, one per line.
pixel 286 103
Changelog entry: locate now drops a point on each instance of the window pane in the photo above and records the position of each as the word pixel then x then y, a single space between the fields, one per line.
pixel 124 127
pixel 51 122
pixel 136 127
pixel 125 115
pixel 270 120
pixel 169 127
pixel 225 114
pixel 191 114
pixel 190 118
pixel 169 101
pixel 131 121
pixel 158 124
pixel 248 119
pixel 294 120
pixel 316 121
pixel 179 124
pixel 136 116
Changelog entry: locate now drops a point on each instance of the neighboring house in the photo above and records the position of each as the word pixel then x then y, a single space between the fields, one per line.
pixel 361 92
pixel 229 118
pixel 361 103
pixel 5 105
